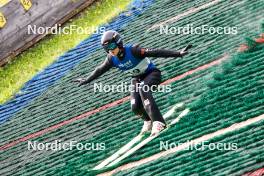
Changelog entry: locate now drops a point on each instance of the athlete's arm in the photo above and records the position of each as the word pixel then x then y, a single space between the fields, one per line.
pixel 147 52
pixel 101 69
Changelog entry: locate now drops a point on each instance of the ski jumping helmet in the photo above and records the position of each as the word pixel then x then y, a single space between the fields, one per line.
pixel 110 40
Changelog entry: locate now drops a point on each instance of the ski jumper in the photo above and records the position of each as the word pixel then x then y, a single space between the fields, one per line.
pixel 144 74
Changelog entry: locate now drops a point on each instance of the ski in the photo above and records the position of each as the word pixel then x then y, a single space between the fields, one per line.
pixel 147 140
pixel 134 141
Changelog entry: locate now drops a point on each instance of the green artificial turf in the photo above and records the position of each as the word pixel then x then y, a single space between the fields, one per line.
pixel 218 97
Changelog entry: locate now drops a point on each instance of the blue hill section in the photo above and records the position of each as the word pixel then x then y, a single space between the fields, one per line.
pixel 66 62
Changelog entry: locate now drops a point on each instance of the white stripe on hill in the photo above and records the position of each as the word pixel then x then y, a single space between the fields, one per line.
pixel 183 146
pixel 188 12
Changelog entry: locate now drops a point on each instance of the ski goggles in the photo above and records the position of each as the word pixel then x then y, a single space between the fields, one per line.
pixel 110 46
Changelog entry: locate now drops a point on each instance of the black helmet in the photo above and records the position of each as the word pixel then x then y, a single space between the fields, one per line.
pixel 111 39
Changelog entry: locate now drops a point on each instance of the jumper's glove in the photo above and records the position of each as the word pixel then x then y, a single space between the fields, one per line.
pixel 81 81
pixel 184 51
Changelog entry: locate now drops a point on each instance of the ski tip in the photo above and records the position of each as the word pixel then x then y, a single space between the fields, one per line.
pixel 187 47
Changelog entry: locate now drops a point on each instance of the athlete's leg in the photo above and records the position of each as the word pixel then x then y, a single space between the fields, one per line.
pixel 136 103
pixel 152 79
